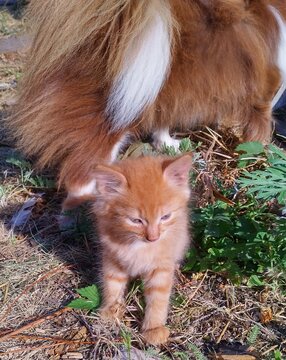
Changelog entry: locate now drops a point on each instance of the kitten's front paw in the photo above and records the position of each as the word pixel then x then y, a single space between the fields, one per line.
pixel 157 335
pixel 112 312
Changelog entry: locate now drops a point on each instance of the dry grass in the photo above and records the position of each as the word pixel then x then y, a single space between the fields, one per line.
pixel 41 264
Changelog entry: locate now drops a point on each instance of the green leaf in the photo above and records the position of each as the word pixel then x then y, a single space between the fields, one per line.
pixel 186 145
pixel 196 351
pixel 22 164
pixel 282 197
pixel 90 298
pixel 275 150
pixel 251 148
pixel 169 150
pixel 249 152
pixel 255 281
pixel 89 292
pixel 82 304
pixel 277 355
pixel 253 334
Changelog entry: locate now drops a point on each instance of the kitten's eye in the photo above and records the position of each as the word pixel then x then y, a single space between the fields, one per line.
pixel 166 217
pixel 136 221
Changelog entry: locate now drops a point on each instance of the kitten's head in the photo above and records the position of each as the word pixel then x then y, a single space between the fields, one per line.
pixel 140 199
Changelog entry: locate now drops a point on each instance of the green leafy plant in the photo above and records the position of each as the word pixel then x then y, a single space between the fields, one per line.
pixel 270 182
pixel 254 280
pixel 126 336
pixel 277 355
pixel 250 152
pixel 196 351
pixel 180 355
pixel 89 300
pixel 186 145
pixel 28 177
pixel 253 335
pixel 243 240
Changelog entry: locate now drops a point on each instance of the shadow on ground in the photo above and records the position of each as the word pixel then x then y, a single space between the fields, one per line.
pixel 15 7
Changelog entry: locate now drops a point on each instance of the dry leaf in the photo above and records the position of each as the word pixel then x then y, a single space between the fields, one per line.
pixel 266 315
pixel 61 350
pixel 137 149
pixel 22 216
pixel 264 295
pixel 81 334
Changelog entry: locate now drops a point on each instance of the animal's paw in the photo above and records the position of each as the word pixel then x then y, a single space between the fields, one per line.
pixel 157 335
pixel 112 312
pixel 159 143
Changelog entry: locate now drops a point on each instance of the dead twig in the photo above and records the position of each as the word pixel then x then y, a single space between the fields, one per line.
pixel 6 335
pixel 197 288
pixel 51 338
pixel 223 332
pixel 5 291
pixel 29 287
pixel 35 348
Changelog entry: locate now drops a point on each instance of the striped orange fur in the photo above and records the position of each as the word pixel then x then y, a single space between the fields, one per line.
pixel 132 196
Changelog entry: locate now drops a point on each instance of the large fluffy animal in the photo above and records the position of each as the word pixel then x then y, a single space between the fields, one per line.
pixel 102 70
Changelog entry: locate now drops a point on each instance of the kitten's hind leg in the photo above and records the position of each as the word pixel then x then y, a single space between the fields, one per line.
pixel 157 290
pixel 162 137
pixel 114 284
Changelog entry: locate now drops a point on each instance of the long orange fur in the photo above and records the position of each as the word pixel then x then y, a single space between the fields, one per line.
pixel 223 72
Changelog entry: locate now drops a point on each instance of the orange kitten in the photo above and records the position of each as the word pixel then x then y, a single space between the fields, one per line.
pixel 141 208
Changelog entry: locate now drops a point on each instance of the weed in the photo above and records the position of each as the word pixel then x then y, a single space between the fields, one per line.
pixel 238 241
pixel 253 335
pixel 126 336
pixel 89 300
pixel 186 145
pixel 6 20
pixel 27 175
pixel 250 152
pixel 4 28
pixel 181 355
pixel 2 191
pixel 270 182
pixel 277 355
pixel 197 352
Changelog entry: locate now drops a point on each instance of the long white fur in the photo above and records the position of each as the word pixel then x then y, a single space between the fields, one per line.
pixel 87 189
pixel 117 147
pixel 146 64
pixel 90 187
pixel 282 43
pixel 162 137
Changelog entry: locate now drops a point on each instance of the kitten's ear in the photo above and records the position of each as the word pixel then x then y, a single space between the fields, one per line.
pixel 177 170
pixel 109 182
pixel 105 181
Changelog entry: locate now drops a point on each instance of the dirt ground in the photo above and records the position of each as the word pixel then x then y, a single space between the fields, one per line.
pixel 43 261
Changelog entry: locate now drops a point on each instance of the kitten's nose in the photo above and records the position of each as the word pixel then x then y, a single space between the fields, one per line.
pixel 152 233
pixel 152 238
